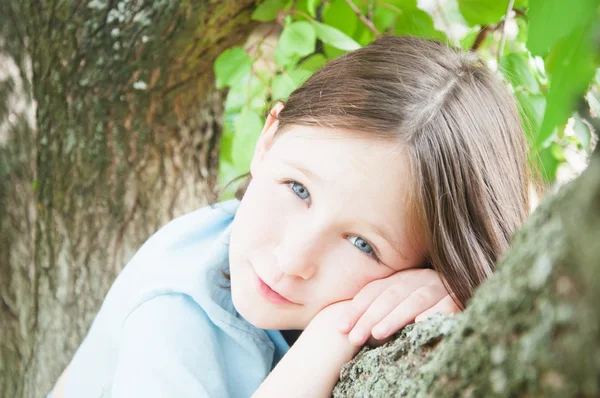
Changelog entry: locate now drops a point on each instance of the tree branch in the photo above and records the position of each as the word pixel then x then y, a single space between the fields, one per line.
pixel 363 19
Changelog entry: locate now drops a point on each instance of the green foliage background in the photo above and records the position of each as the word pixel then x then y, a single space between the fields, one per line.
pixel 547 50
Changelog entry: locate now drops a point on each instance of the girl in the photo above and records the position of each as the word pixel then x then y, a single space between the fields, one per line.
pixel 394 175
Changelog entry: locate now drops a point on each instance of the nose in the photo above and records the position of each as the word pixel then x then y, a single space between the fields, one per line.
pixel 299 252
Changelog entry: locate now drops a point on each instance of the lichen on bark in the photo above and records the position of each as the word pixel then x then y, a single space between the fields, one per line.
pixel 532 330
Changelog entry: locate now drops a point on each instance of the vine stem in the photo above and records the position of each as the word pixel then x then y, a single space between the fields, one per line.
pixel 503 38
pixel 363 19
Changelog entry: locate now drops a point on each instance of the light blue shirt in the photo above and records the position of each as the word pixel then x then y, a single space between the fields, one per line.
pixel 166 327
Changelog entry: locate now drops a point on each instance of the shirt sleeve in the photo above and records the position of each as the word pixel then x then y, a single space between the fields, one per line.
pixel 168 349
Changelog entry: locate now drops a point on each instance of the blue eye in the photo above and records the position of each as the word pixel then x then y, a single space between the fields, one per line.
pixel 362 245
pixel 299 190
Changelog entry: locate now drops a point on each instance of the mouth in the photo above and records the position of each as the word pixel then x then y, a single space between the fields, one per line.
pixel 270 294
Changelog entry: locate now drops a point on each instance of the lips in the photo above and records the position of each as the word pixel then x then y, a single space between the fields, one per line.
pixel 269 293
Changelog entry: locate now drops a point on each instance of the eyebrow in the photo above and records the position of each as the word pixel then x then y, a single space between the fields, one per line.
pixel 307 172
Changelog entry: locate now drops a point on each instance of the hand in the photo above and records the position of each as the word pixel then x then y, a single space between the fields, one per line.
pixel 385 306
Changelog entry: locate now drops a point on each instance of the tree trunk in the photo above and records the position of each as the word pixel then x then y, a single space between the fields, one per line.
pixel 107 132
pixel 109 127
pixel 532 330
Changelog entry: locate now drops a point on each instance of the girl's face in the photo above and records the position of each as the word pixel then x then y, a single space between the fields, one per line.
pixel 325 214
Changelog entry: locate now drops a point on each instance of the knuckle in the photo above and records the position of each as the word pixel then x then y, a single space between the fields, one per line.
pixel 422 296
pixel 358 301
pixel 367 318
pixel 367 291
pixel 375 286
pixel 393 294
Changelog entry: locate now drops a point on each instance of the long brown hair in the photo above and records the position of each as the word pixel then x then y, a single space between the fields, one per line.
pixel 467 149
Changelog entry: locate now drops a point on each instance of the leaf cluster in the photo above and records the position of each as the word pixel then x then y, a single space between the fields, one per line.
pixel 546 50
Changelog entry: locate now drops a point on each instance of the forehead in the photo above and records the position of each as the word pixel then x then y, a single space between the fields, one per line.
pixel 365 170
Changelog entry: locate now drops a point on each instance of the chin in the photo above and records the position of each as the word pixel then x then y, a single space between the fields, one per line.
pixel 248 309
pixel 256 318
pixel 261 315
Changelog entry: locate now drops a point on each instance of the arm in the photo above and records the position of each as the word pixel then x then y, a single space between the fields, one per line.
pixel 312 365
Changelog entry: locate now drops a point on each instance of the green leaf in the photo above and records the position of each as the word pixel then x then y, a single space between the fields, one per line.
pixel 339 15
pixel 251 92
pixel 517 70
pixel 573 70
pixel 582 132
pixel 416 22
pixel 548 164
pixel 247 130
pixel 362 36
pixel 227 170
pixel 302 7
pixel 334 37
pixel 314 62
pixel 332 52
pixel 402 4
pixel 552 20
pixel 523 30
pixel 298 38
pixel 282 86
pixel 226 142
pixel 283 59
pixel 227 173
pixel 268 9
pixel 231 66
pixel 365 37
pixel 285 83
pixel 531 110
pixel 299 76
pixel 311 6
pixel 469 39
pixel 383 18
pixel 558 152
pixel 483 12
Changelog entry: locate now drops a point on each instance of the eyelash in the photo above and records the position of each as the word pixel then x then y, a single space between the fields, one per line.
pixel 372 255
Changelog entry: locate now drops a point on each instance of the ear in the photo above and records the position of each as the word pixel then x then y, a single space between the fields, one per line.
pixel 266 138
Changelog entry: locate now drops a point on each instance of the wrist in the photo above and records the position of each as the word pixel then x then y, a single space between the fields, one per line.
pixel 324 331
pixel 317 356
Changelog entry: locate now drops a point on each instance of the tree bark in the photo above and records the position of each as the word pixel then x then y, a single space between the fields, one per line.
pixel 532 330
pixel 107 132
pixel 109 127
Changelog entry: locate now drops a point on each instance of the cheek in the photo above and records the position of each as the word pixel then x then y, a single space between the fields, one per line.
pixel 260 216
pixel 348 275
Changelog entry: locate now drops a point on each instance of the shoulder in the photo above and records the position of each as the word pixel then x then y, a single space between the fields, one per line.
pixel 175 314
pixel 176 271
pixel 202 223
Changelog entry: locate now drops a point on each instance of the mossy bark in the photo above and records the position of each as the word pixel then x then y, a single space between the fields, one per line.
pixel 109 127
pixel 532 330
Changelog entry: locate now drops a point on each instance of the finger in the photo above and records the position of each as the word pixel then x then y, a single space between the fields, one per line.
pixel 358 306
pixel 419 301
pixel 446 306
pixel 376 311
pixel 373 342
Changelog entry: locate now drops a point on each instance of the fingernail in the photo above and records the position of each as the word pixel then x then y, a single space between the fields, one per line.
pixel 381 331
pixel 356 337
